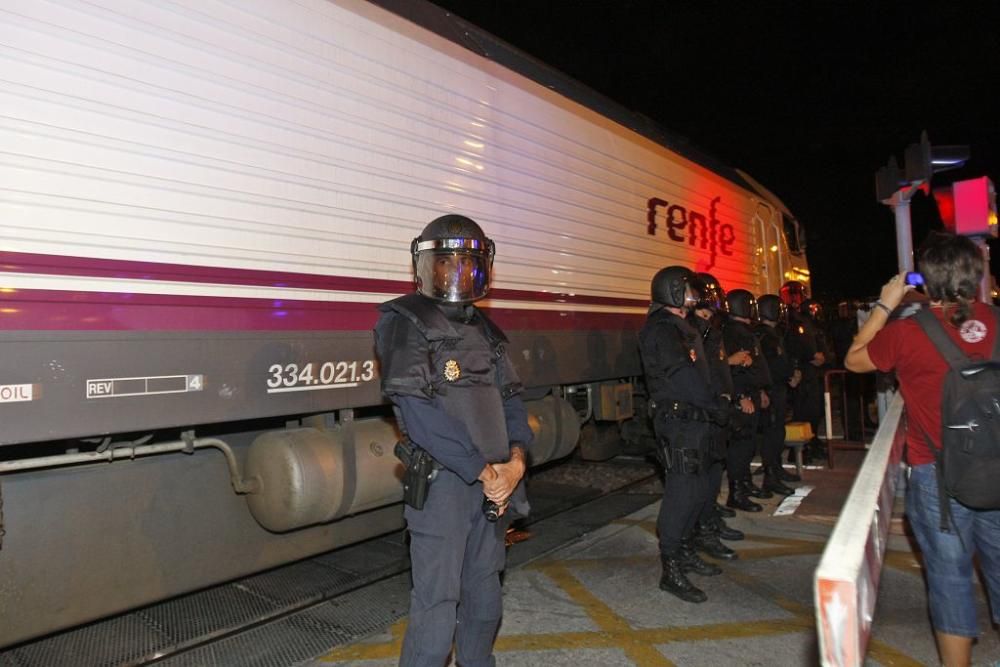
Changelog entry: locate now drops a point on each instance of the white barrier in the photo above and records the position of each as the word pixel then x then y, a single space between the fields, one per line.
pixel 846 580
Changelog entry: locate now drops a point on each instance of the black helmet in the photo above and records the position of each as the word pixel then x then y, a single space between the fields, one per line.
pixel 793 293
pixel 770 308
pixel 709 293
pixel 452 260
pixel 811 308
pixel 742 304
pixel 672 287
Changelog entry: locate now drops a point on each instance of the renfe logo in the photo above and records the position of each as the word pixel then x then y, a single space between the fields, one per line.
pixel 693 227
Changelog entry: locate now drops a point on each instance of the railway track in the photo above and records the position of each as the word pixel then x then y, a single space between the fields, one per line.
pixel 296 612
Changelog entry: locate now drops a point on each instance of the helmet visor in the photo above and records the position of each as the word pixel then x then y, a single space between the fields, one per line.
pixel 453 276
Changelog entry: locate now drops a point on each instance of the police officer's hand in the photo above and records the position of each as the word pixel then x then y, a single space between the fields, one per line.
pixel 765 400
pixel 796 378
pixel 746 405
pixel 508 475
pixel 487 475
pixel 741 358
pixel 818 359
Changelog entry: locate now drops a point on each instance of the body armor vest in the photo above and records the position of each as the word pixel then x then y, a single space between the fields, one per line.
pixel 462 367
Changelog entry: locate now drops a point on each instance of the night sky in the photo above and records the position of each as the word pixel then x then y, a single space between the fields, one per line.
pixel 810 98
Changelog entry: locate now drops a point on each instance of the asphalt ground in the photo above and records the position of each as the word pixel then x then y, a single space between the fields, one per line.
pixel 593 599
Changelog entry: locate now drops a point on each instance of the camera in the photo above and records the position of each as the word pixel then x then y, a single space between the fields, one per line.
pixel 490 510
pixel 914 278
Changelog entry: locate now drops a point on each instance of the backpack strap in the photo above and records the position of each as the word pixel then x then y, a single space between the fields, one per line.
pixel 951 352
pixel 996 333
pixel 955 358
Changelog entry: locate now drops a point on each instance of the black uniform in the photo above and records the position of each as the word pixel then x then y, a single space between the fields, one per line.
pixel 679 383
pixel 748 381
pixel 722 386
pixel 803 344
pixel 446 370
pixel 780 367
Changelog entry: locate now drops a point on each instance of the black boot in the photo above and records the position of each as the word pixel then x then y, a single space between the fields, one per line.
pixel 692 562
pixel 706 540
pixel 755 491
pixel 772 482
pixel 675 582
pixel 738 499
pixel 722 510
pixel 725 532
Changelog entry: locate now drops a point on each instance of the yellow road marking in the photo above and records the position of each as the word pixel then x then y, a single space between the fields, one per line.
pixel 888 655
pixel 639 644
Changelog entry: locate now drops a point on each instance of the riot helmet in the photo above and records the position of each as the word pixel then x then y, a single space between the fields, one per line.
pixel 771 308
pixel 709 293
pixel 793 293
pixel 742 304
pixel 452 260
pixel 811 308
pixel 672 287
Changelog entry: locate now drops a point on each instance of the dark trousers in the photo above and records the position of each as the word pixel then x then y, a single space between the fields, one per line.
pixel 684 494
pixel 772 442
pixel 456 558
pixel 683 502
pixel 713 482
pixel 807 404
pixel 742 445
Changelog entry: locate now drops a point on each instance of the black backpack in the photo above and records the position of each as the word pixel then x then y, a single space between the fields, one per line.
pixel 968 461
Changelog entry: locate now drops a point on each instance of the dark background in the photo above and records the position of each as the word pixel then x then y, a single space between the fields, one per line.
pixel 810 98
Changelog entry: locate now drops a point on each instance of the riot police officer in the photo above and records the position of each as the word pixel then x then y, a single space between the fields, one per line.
pixel 811 409
pixel 772 344
pixel 808 357
pixel 750 378
pixel 684 409
pixel 707 317
pixel 445 368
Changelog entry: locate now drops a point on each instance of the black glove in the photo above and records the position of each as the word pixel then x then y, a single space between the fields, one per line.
pixel 722 416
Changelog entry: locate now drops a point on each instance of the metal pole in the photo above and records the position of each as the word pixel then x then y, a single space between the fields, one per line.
pixel 904 233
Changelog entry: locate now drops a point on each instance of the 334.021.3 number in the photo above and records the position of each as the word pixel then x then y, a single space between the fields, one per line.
pixel 329 374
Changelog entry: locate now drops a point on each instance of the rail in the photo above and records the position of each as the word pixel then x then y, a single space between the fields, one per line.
pixel 846 580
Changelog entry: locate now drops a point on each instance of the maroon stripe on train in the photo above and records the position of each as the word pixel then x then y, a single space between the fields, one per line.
pixel 60 265
pixel 56 310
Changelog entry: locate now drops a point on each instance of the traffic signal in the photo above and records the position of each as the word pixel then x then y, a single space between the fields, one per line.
pixel 969 207
pixel 921 161
pixel 888 179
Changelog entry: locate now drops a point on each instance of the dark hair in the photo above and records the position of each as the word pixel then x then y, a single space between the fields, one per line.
pixel 952 267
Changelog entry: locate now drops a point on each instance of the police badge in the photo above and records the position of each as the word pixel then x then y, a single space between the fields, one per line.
pixel 451 370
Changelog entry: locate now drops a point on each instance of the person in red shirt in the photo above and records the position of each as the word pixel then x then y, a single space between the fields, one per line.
pixel 952 267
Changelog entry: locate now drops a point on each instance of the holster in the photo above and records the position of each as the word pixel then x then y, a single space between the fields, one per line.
pixel 420 469
pixel 679 460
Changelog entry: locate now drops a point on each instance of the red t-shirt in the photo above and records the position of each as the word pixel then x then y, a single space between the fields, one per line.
pixel 903 346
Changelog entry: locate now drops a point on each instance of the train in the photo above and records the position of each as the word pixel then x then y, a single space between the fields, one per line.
pixel 202 205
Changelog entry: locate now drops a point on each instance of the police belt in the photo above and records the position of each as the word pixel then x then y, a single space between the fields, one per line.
pixel 682 410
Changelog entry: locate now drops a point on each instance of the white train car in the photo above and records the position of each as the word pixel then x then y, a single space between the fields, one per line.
pixel 201 204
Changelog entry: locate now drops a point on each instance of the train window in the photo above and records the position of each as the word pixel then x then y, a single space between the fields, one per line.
pixel 795 235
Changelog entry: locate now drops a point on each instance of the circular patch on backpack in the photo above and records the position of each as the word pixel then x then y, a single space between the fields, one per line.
pixel 972 331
